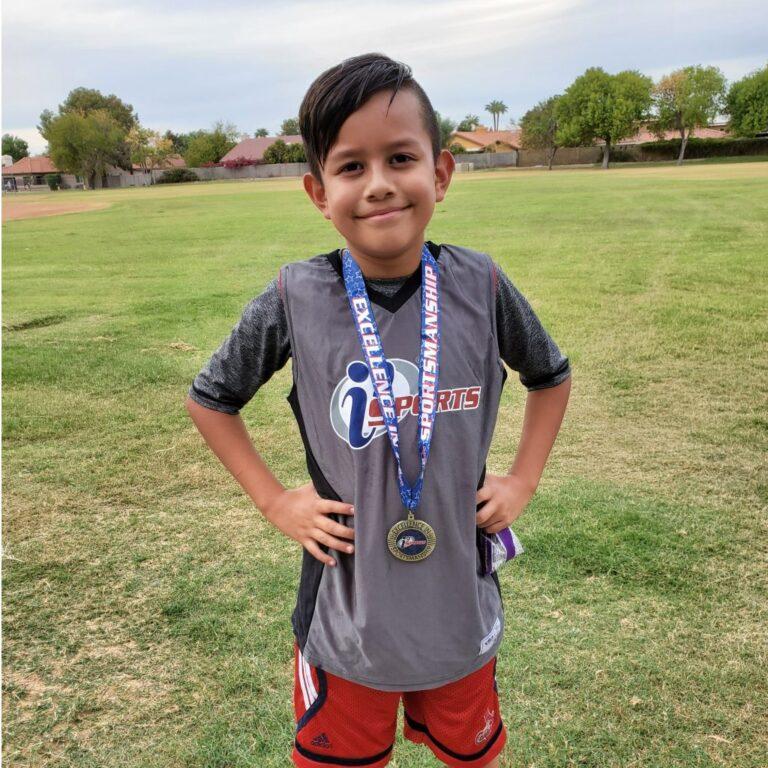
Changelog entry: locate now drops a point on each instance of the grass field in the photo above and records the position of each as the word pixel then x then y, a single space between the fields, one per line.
pixel 146 601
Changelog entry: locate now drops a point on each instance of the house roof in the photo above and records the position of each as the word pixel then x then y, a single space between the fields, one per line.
pixel 30 165
pixel 643 135
pixel 482 137
pixel 254 149
pixel 172 161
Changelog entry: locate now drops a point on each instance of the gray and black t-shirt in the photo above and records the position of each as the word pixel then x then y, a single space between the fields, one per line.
pixel 259 345
pixel 374 619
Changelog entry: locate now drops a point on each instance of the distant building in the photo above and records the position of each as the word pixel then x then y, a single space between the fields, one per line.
pixel 7 160
pixel 254 149
pixel 30 172
pixel 483 140
pixel 714 131
pixel 172 161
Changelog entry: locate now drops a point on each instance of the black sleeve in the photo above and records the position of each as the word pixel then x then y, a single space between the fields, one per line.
pixel 257 346
pixel 524 344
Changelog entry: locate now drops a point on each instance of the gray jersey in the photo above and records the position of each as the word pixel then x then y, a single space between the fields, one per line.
pixel 374 619
pixel 258 344
pixel 387 624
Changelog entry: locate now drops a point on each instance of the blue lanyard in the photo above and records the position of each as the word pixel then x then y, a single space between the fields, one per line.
pixel 379 369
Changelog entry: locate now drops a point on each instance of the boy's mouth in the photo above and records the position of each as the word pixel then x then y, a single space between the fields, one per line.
pixel 385 214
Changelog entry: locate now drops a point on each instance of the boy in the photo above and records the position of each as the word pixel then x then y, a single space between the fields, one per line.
pixel 405 609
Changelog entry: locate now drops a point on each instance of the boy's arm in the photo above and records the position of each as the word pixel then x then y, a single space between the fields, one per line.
pixel 256 347
pixel 228 438
pixel 299 513
pixel 526 347
pixel 544 411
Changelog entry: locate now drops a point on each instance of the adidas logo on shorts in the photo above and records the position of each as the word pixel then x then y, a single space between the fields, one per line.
pixel 321 741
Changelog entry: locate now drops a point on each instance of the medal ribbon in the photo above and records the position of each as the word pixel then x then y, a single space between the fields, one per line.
pixel 379 368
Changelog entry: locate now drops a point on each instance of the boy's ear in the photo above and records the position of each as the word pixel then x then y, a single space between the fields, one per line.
pixel 444 168
pixel 316 192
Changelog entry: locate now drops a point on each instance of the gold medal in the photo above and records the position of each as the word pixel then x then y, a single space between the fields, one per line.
pixel 411 539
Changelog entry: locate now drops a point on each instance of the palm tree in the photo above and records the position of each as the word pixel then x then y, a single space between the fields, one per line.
pixel 469 123
pixel 496 108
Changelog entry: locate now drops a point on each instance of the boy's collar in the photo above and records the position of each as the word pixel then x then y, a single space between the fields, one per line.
pixel 406 290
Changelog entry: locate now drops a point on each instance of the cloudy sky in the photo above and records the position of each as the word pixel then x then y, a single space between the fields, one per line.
pixel 185 65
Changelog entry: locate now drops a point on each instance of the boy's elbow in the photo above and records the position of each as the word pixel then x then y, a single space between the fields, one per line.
pixel 191 406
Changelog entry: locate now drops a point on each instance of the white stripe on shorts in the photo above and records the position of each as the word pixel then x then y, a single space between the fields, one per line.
pixel 307 683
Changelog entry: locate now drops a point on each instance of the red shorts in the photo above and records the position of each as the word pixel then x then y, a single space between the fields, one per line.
pixel 341 723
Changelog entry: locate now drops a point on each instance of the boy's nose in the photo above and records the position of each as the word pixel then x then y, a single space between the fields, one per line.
pixel 379 183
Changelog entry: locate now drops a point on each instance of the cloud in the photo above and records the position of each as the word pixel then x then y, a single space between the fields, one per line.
pixel 182 66
pixel 288 33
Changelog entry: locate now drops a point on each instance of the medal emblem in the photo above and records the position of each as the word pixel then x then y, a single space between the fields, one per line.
pixel 411 539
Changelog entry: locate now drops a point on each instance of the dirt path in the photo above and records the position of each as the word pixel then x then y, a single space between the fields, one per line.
pixel 27 209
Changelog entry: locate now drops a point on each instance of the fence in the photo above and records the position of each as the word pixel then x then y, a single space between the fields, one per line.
pixel 265 171
pixel 522 158
pixel 564 156
pixel 488 159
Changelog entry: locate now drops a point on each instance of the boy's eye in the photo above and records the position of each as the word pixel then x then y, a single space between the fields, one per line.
pixel 350 166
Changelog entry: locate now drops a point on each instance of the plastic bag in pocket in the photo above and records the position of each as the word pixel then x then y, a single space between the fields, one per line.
pixel 497 549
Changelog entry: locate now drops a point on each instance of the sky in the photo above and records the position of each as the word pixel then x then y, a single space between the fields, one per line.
pixel 183 66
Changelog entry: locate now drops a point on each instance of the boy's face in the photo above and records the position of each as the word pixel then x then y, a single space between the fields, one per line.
pixel 382 161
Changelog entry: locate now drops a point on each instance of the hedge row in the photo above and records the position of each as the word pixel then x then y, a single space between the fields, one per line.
pixel 694 149
pixel 177 175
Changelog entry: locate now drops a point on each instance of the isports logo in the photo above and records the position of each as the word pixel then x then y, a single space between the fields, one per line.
pixel 355 413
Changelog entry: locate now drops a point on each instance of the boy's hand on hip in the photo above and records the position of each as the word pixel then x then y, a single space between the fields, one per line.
pixel 301 514
pixel 505 497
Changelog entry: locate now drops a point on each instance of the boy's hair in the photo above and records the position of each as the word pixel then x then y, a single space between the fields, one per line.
pixel 343 89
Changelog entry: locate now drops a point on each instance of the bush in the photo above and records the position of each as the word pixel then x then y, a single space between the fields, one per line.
pixel 280 152
pixel 239 162
pixel 700 148
pixel 53 180
pixel 177 175
pixel 457 149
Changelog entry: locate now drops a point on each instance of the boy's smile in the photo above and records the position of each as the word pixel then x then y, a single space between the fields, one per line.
pixel 380 184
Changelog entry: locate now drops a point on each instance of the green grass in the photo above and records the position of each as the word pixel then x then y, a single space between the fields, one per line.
pixel 147 603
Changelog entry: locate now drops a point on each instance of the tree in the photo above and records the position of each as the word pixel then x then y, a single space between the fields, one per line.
pixel 539 128
pixel 496 108
pixel 469 123
pixel 290 127
pixel 260 132
pixel 447 127
pixel 89 134
pixel 685 99
pixel 86 144
pixel 149 149
pixel 84 101
pixel 280 152
pixel 602 106
pixel 15 146
pixel 747 104
pixel 181 140
pixel 211 146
